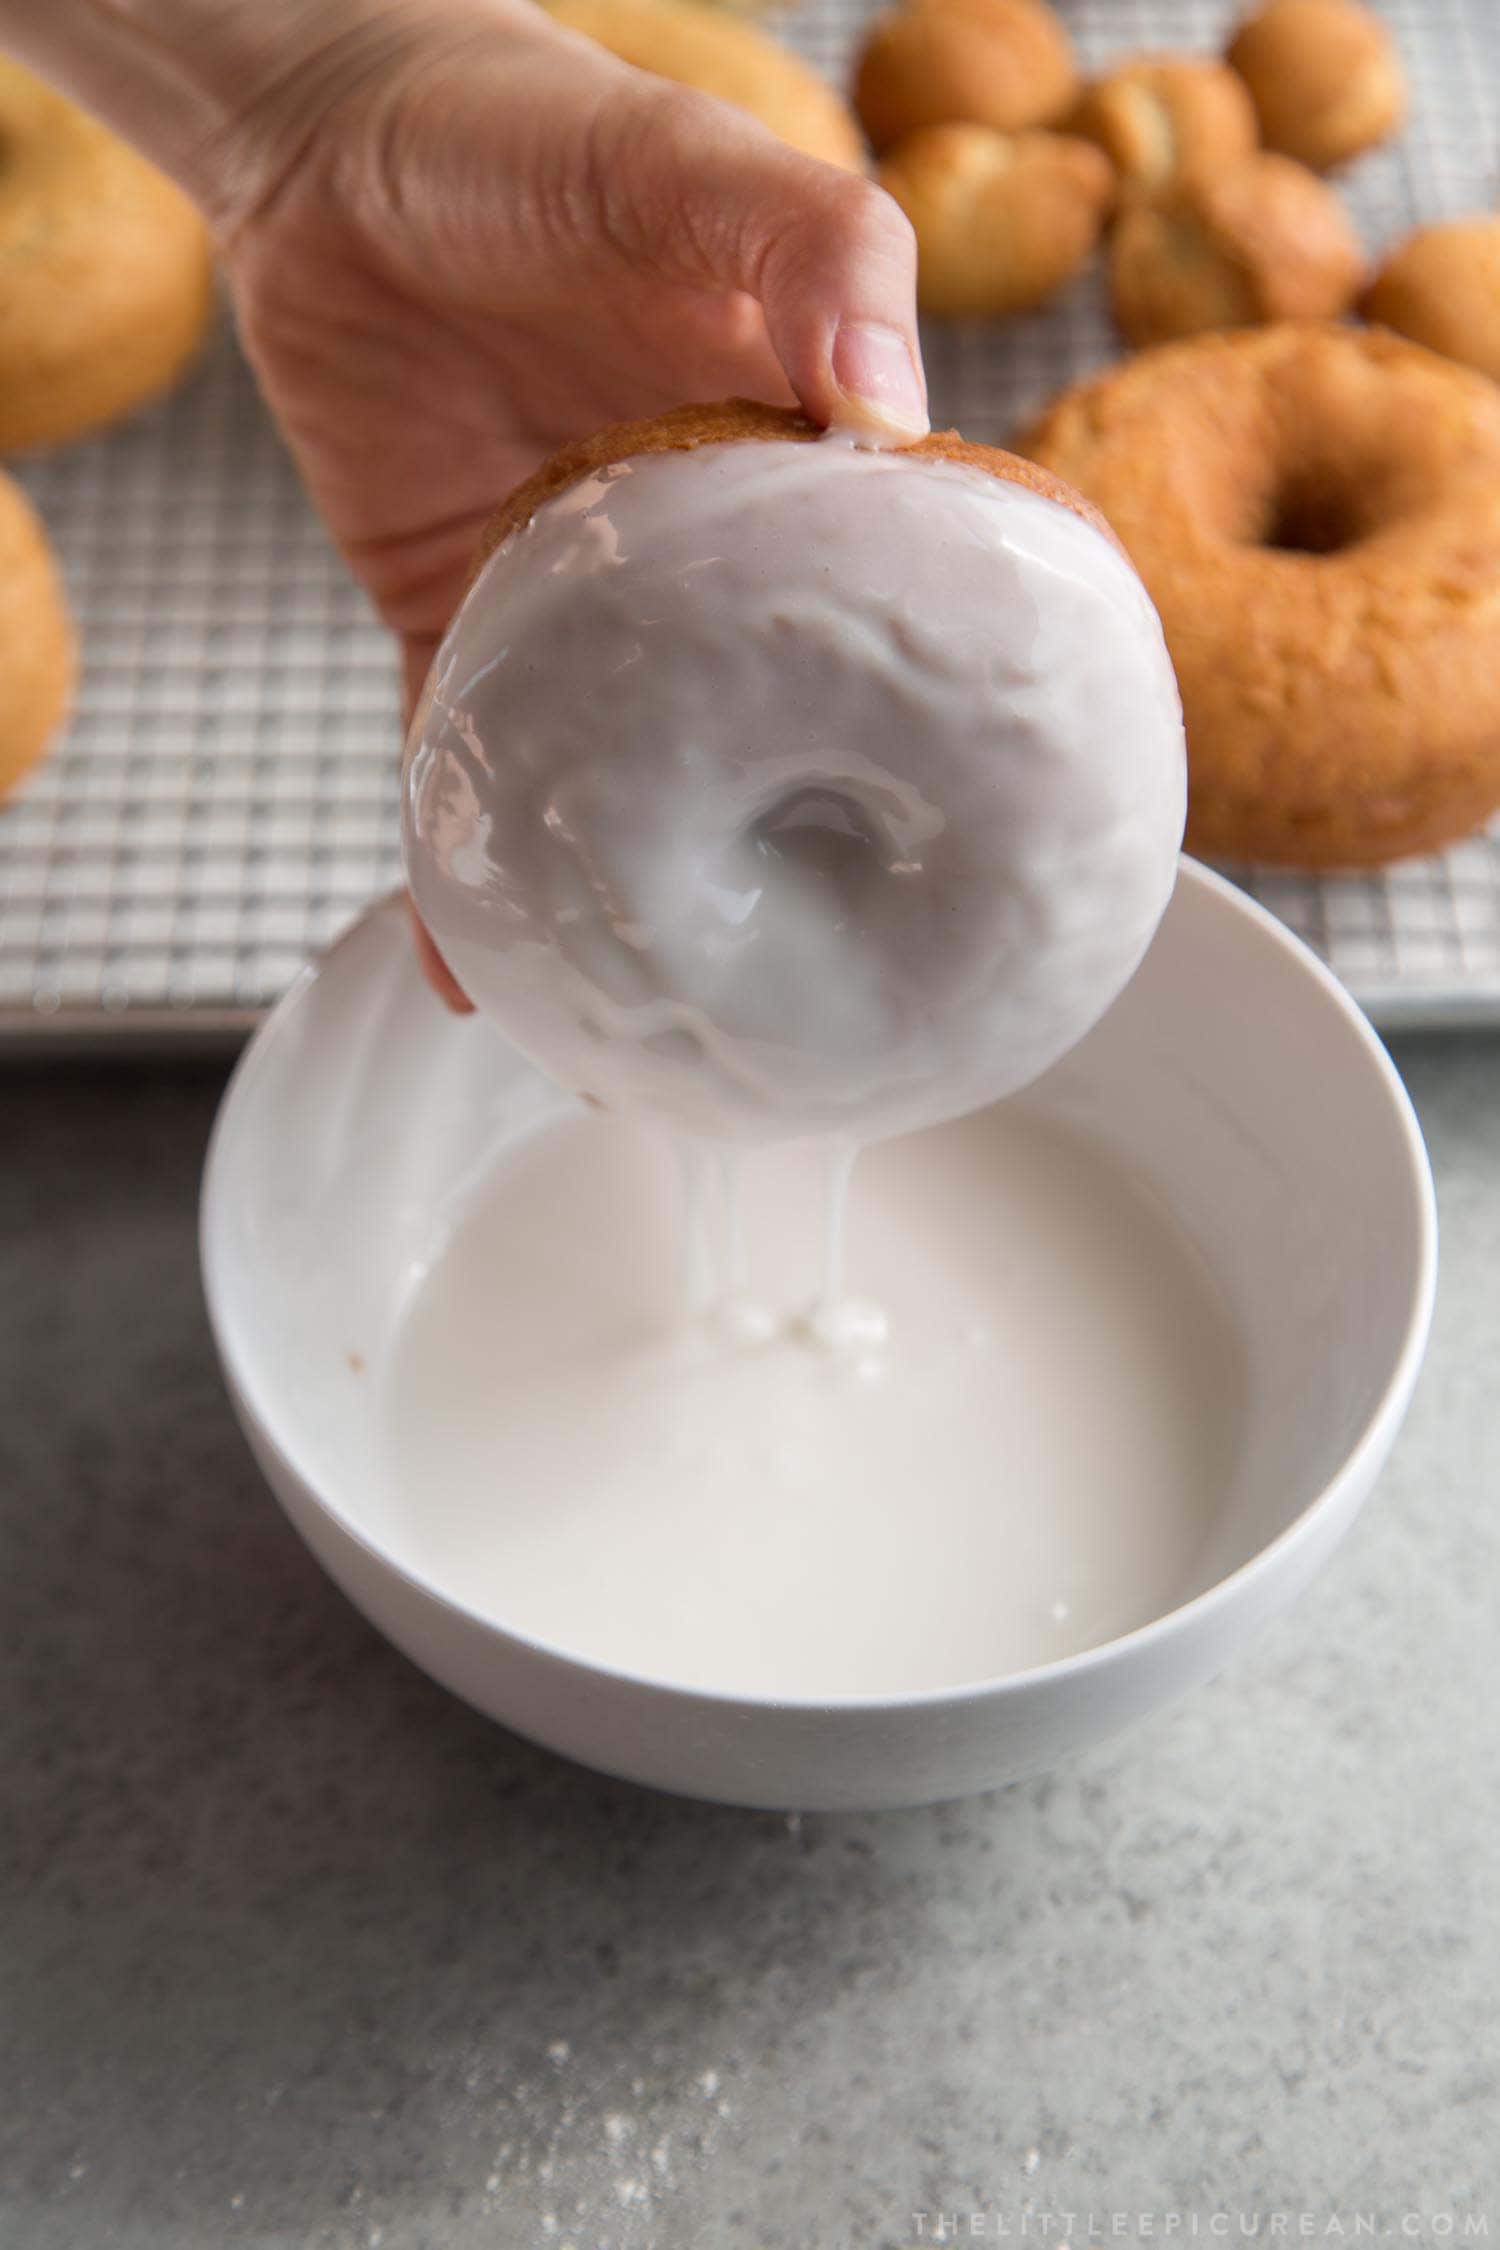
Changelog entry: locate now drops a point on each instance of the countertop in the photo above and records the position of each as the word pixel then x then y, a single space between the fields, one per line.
pixel 299 1952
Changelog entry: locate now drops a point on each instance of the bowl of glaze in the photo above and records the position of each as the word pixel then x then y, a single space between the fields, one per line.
pixel 1234 1084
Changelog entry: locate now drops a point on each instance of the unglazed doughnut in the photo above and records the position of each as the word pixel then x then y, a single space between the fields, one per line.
pixel 1263 239
pixel 1325 78
pixel 1316 513
pixel 1002 220
pixel 1002 63
pixel 1441 287
pixel 775 786
pixel 106 285
pixel 694 46
pixel 1159 117
pixel 36 638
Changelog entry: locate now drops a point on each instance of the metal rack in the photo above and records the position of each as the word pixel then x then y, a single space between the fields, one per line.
pixel 224 798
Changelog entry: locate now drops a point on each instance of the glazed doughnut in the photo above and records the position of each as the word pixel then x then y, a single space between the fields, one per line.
pixel 1324 76
pixel 106 285
pixel 1002 220
pixel 1316 513
pixel 1007 64
pixel 1160 117
pixel 1264 239
pixel 36 638
pixel 696 47
pixel 779 786
pixel 1441 287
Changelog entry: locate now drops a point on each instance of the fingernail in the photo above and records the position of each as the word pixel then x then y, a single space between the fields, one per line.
pixel 874 369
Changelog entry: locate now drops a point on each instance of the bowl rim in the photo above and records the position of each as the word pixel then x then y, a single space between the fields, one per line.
pixel 1366 1453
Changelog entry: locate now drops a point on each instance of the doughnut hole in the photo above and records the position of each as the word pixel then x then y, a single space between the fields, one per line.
pixel 1324 76
pixel 1159 117
pixel 736 62
pixel 1262 240
pixel 1003 221
pixel 1441 287
pixel 1007 64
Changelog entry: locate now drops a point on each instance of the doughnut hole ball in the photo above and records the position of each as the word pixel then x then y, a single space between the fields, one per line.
pixel 699 47
pixel 1263 240
pixel 1160 117
pixel 1007 64
pixel 1441 287
pixel 1325 78
pixel 1003 220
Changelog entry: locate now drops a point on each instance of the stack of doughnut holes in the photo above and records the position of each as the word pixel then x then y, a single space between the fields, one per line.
pixel 1314 506
pixel 106 294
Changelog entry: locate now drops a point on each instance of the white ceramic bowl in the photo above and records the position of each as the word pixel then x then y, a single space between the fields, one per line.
pixel 1237 1077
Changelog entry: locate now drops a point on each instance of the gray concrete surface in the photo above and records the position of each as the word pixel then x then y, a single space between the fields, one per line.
pixel 297 1952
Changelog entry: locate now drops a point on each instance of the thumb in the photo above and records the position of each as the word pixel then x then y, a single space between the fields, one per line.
pixel 720 201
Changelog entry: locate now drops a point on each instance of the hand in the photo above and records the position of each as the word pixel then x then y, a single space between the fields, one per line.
pixel 492 237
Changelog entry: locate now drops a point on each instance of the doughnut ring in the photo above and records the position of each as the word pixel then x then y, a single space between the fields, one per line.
pixel 1316 513
pixel 778 785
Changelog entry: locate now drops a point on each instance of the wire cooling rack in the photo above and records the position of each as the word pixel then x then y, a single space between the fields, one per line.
pixel 224 799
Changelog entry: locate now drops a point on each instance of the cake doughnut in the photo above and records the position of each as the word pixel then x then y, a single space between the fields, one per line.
pixel 1316 513
pixel 1324 76
pixel 1007 64
pixel 1264 239
pixel 1160 117
pixel 36 638
pixel 1441 287
pixel 106 283
pixel 1002 220
pixel 695 46
pixel 773 785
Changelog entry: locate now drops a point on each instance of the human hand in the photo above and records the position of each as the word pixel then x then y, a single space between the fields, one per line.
pixel 494 237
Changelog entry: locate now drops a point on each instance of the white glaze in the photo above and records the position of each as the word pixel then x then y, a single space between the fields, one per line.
pixel 1032 1466
pixel 791 788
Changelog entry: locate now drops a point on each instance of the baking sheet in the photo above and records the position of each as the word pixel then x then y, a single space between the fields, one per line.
pixel 224 799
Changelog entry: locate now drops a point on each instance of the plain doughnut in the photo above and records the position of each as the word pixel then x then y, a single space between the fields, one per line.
pixel 36 638
pixel 1316 512
pixel 106 282
pixel 778 785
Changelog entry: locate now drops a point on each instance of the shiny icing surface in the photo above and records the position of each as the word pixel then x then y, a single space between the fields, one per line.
pixel 781 789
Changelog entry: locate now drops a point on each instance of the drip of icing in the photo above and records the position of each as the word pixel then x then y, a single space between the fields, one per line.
pixel 716 1259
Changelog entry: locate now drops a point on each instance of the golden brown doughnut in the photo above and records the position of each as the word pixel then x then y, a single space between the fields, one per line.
pixel 1315 511
pixel 36 637
pixel 1002 220
pixel 1007 64
pixel 106 284
pixel 1159 117
pixel 1325 78
pixel 696 47
pixel 1264 239
pixel 1441 287
pixel 731 421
